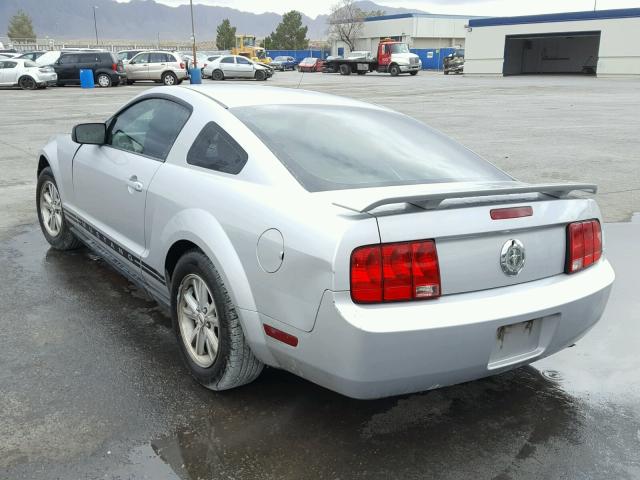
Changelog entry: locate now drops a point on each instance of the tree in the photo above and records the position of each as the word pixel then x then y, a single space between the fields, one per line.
pixel 225 35
pixel 21 28
pixel 346 21
pixel 289 34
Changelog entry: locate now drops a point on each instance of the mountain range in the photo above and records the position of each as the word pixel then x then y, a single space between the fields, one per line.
pixel 147 19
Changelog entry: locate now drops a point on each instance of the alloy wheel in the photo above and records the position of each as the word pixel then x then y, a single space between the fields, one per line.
pixel 198 320
pixel 51 208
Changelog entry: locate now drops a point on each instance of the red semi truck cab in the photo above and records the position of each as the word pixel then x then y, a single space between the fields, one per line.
pixel 392 57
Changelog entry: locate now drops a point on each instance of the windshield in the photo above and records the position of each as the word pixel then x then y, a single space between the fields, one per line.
pixel 399 48
pixel 337 147
pixel 280 59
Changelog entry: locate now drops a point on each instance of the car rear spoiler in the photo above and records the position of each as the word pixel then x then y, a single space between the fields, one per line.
pixel 366 202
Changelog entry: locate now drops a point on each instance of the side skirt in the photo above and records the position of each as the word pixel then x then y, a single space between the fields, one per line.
pixel 84 232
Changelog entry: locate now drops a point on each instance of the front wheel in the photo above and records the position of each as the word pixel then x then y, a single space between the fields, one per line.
pixel 414 73
pixel 104 80
pixel 207 326
pixel 53 223
pixel 345 69
pixel 169 79
pixel 394 70
pixel 260 75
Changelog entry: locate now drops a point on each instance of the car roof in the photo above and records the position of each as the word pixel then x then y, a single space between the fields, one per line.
pixel 231 96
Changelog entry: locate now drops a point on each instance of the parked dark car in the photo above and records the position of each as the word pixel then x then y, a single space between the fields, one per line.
pixel 284 63
pixel 107 68
pixel 33 56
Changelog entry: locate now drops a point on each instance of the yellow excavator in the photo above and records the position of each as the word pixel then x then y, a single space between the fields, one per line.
pixel 246 46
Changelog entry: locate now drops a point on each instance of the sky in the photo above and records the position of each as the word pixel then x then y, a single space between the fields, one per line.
pixel 463 7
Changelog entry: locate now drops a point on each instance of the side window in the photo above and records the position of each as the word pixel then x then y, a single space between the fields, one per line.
pixel 10 64
pixel 68 59
pixel 242 61
pixel 148 127
pixel 88 58
pixel 157 58
pixel 227 60
pixel 2 65
pixel 142 58
pixel 216 150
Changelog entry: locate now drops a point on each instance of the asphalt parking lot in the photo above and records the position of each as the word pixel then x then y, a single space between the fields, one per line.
pixel 92 386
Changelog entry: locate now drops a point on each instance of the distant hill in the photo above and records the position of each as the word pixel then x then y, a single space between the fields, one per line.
pixel 145 19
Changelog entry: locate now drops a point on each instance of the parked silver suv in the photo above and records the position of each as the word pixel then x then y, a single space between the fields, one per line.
pixel 166 67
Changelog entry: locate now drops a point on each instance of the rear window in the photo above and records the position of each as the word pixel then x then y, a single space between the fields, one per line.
pixel 338 147
pixel 30 64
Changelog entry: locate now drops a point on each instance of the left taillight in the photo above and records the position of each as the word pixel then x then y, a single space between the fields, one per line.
pixel 584 245
pixel 395 272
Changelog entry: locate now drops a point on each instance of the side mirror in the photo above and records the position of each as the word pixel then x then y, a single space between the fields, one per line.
pixel 90 133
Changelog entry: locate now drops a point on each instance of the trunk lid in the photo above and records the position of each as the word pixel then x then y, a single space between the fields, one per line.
pixel 468 241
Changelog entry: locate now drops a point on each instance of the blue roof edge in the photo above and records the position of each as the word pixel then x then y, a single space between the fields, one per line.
pixel 556 17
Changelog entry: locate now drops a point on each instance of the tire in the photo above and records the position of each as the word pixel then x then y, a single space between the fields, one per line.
pixel 61 238
pixel 217 75
pixel 103 80
pixel 260 75
pixel 169 79
pixel 446 72
pixel 345 69
pixel 394 70
pixel 414 73
pixel 232 364
pixel 362 73
pixel 130 82
pixel 27 83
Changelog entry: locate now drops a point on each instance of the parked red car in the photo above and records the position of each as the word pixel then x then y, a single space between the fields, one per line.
pixel 311 65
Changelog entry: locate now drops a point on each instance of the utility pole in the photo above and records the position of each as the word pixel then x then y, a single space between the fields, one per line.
pixel 193 36
pixel 95 23
pixel 595 5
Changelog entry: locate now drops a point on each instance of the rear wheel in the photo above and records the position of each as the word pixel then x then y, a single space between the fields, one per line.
pixel 217 75
pixel 27 83
pixel 361 72
pixel 446 72
pixel 104 80
pixel 345 69
pixel 54 226
pixel 207 327
pixel 169 78
pixel 394 70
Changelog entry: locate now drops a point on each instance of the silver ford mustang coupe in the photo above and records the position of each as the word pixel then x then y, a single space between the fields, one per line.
pixel 346 243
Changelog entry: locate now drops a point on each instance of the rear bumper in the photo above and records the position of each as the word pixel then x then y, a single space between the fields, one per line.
pixel 385 350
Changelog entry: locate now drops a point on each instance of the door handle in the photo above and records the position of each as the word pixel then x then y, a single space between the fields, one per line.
pixel 134 184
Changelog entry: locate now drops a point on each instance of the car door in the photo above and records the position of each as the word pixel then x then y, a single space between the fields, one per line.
pixel 138 67
pixel 4 71
pixel 110 181
pixel 228 66
pixel 244 67
pixel 157 65
pixel 67 67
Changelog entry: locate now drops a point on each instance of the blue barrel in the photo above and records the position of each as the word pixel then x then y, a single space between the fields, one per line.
pixel 86 78
pixel 195 75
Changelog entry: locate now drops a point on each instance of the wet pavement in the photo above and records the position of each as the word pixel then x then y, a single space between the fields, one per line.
pixel 92 386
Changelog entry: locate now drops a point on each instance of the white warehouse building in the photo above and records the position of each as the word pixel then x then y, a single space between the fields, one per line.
pixel 604 42
pixel 419 30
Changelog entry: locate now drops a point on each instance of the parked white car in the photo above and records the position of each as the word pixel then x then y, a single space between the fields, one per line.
pixel 278 230
pixel 26 74
pixel 160 66
pixel 236 66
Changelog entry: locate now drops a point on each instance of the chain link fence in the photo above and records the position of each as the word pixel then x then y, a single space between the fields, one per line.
pixel 26 45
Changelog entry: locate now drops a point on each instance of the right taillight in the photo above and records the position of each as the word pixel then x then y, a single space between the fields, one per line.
pixel 393 272
pixel 584 245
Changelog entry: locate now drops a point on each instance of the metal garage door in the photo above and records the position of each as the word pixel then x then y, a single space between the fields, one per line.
pixel 575 52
